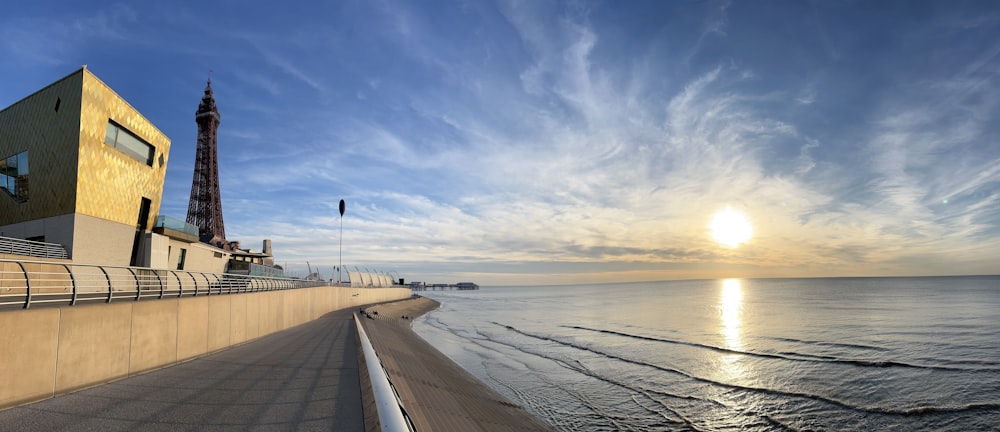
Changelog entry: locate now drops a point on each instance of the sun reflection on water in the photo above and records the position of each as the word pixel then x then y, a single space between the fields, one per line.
pixel 731 309
pixel 733 367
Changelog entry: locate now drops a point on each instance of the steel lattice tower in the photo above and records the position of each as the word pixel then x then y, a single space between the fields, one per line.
pixel 205 206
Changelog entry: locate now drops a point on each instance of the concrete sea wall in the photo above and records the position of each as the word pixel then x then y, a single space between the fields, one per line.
pixel 49 351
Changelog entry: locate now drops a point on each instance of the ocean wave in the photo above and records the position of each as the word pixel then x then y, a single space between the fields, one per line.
pixel 829 344
pixel 915 411
pixel 665 413
pixel 789 356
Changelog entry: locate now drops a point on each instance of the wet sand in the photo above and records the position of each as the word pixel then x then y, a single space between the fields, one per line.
pixel 435 391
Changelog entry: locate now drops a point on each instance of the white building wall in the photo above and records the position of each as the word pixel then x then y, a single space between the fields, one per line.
pixel 101 242
pixel 159 245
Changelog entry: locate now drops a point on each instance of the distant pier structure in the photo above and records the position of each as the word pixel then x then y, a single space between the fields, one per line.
pixel 462 286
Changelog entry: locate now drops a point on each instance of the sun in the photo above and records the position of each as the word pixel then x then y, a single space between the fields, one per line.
pixel 730 227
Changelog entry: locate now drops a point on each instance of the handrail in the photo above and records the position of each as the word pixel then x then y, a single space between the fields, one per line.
pixel 391 414
pixel 16 246
pixel 53 282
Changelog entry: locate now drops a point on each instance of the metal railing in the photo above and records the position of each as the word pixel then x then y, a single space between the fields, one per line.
pixel 391 414
pixel 29 283
pixel 15 246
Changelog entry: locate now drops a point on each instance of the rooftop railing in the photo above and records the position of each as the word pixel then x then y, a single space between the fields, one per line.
pixel 176 225
pixel 29 283
pixel 28 248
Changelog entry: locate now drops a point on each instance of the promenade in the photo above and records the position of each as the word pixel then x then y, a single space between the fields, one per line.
pixel 304 378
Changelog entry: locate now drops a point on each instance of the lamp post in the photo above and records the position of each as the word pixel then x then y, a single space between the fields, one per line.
pixel 341 242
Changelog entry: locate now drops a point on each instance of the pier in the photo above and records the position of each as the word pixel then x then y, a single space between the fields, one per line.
pixel 462 286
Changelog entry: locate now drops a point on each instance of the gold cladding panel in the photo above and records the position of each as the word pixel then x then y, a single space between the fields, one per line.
pixel 51 138
pixel 111 183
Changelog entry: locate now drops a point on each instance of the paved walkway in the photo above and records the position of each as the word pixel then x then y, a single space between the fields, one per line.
pixel 304 378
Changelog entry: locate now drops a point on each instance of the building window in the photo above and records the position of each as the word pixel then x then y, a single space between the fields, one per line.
pixel 126 142
pixel 14 176
pixel 180 259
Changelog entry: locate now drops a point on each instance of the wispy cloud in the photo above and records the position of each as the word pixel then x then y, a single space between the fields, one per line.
pixel 544 142
pixel 283 64
pixel 55 41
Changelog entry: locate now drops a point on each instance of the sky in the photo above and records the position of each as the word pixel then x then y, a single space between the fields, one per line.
pixel 543 142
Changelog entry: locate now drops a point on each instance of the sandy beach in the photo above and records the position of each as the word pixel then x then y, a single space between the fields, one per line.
pixel 436 392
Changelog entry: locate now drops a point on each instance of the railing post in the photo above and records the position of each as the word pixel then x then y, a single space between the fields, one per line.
pixel 111 292
pixel 191 275
pixel 158 278
pixel 138 289
pixel 180 286
pixel 208 282
pixel 27 285
pixel 72 282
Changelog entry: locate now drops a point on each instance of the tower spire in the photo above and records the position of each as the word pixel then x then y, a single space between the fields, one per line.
pixel 205 205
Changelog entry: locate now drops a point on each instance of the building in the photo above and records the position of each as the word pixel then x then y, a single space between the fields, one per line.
pixel 82 168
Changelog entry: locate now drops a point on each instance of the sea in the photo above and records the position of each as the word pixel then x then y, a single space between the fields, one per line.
pixel 818 354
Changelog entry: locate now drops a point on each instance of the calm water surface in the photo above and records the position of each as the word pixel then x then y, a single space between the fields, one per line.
pixel 779 354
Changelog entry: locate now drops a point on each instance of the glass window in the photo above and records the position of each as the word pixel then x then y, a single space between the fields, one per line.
pixel 111 135
pixel 22 176
pixel 14 176
pixel 136 148
pixel 123 140
pixel 5 173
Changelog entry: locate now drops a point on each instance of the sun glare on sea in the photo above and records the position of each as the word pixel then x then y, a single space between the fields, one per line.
pixel 731 308
pixel 730 227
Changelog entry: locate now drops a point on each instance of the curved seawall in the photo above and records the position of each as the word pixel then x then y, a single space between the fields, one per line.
pixel 437 393
pixel 51 351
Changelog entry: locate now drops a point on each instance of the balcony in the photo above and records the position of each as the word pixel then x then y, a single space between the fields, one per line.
pixel 176 229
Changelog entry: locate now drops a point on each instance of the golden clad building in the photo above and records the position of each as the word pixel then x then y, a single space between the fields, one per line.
pixel 81 167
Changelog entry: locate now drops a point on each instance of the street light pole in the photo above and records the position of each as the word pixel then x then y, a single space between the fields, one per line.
pixel 341 266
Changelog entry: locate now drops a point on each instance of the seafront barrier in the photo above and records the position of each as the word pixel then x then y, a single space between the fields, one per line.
pixel 56 350
pixel 437 393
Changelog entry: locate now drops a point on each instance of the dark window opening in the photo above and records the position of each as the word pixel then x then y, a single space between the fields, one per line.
pixel 140 231
pixel 57 104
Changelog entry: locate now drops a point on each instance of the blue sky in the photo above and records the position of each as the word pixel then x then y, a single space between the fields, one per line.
pixel 536 142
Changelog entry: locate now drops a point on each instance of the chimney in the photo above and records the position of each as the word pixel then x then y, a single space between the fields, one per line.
pixel 267 247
